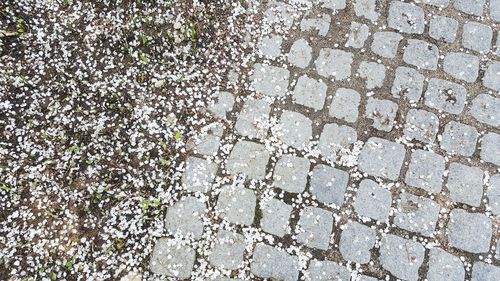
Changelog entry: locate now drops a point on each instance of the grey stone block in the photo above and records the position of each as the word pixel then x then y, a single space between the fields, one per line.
pixel 470 232
pixel 471 7
pixel 309 92
pixel 279 15
pixel 421 125
pixel 228 249
pixel 269 262
pixel 495 10
pixel 334 138
pixel 373 73
pixel 333 4
pixel 367 9
pixel 327 271
pixel 490 148
pixel 356 242
pixel 444 266
pixel 207 145
pixel 329 184
pixel 248 158
pixel 459 139
pixel 253 113
pixel 198 175
pixel 300 53
pixel 408 83
pixel 373 201
pixel 406 17
pixel 290 173
pixel 493 194
pixel 482 271
pixel 315 227
pixel 462 66
pixel 223 104
pixel 359 34
pixel 365 278
pixel 465 184
pixel 296 129
pixel 345 105
pixel 401 257
pixel 237 204
pixel 445 95
pixel 382 112
pixel 275 216
pixel 426 171
pixel 320 23
pixel 385 43
pixel 486 109
pixel 185 217
pixel 437 3
pixel 491 78
pixel 381 158
pixel 334 63
pixel 270 80
pixel 443 28
pixel 477 37
pixel 421 54
pixel 270 46
pixel 416 214
pixel 171 259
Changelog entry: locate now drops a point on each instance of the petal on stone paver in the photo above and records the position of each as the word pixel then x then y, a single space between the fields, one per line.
pixel 223 105
pixel 335 137
pixel 386 43
pixel 408 83
pixel 290 173
pixel 185 217
pixel 309 92
pixel 269 262
pixel 248 158
pixel 270 46
pixel 406 17
pixel 315 227
pixel 373 201
pixel 416 214
pixel 228 249
pixel 465 184
pixel 327 270
pixel 300 53
pixel 199 174
pixel 373 73
pixel 459 139
pixel 329 184
pixel 486 109
pixel 296 129
pixel 470 232
pixel 421 125
pixel 381 158
pixel 445 95
pixel 275 216
pixel 426 171
pixel 402 257
pixel 382 112
pixel 421 54
pixel 171 259
pixel 237 204
pixel 254 113
pixel 444 266
pixel 490 148
pixel 334 63
pixel 345 105
pixel 356 242
pixel 270 80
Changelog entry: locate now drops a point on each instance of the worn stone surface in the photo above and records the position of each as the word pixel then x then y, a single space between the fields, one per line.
pixel 334 63
pixel 477 37
pixel 172 260
pixel 237 204
pixel 408 83
pixel 462 66
pixel 309 92
pixel 320 23
pixel 296 129
pixel 426 171
pixel 228 250
pixel 406 17
pixel 470 232
pixel 465 184
pixel 252 117
pixel 199 174
pixel 382 112
pixel 373 201
pixel 327 270
pixel 402 257
pixel 314 228
pixel 471 7
pixel 446 96
pixel 345 105
pixel 223 104
pixel 275 216
pixel 486 108
pixel 335 137
pixel 359 34
pixel 459 139
pixel 444 266
pixel 270 46
pixel 300 53
pixel 373 73
pixel 329 184
pixel 493 194
pixel 269 262
pixel 367 9
pixel 356 241
pixel 248 158
pixel 416 214
pixel 270 80
pixel 421 54
pixel 485 272
pixel 381 158
pixel 490 148
pixel 421 125
pixel 386 43
pixel 185 217
pixel 290 173
pixel 443 28
pixel 491 78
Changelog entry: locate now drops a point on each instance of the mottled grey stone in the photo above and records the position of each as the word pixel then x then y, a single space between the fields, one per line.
pixel 443 28
pixel 358 35
pixel 198 175
pixel 327 271
pixel 497 44
pixel 290 173
pixel 421 54
pixel 381 158
pixel 416 214
pixel 402 257
pixel 356 241
pixel 334 138
pixel 309 92
pixel 421 125
pixel 408 83
pixel 237 204
pixel 445 95
pixel 320 23
pixel 485 272
pixel 300 53
pixel 315 227
pixel 296 129
pixel 171 259
pixel 228 249
pixel 493 194
pixel 223 104
pixel 279 15
pixel 249 158
pixel 465 184
pixel 486 109
pixel 426 171
pixel 270 46
pixel 269 262
pixel 495 10
pixel 492 76
pixel 366 9
pixel 459 139
pixel 335 63
pixel 461 66
pixel 185 217
pixel 270 80
pixel 365 278
pixel 406 17
pixel 373 201
pixel 470 232
pixel 437 3
pixel 275 216
pixel 253 113
pixel 345 105
pixel 477 37
pixel 329 184
pixel 373 72
pixel 382 112
pixel 385 43
pixel 490 148
pixel 333 4
pixel 472 7
pixel 207 145
pixel 444 266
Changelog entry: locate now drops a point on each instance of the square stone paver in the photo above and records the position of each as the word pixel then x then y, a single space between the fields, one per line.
pixel 254 112
pixel 477 37
pixel 367 9
pixel 329 184
pixel 333 4
pixel 335 137
pixel 207 145
pixel 198 175
pixel 492 76
pixel 356 242
pixel 482 271
pixel 270 262
pixel 493 194
pixel 314 228
pixel 345 105
pixel 290 173
pixel 228 249
pixel 237 204
pixel 459 139
pixel 373 201
pixel 386 43
pixel 358 35
pixel 406 17
pixel 470 232
pixel 248 158
pixel 461 66
pixel 296 129
pixel 185 217
pixel 426 171
pixel 444 266
pixel 381 158
pixel 270 46
pixel 486 109
pixel 443 28
pixel 446 96
pixel 334 63
pixel 373 73
pixel 465 184
pixel 275 216
pixel 401 257
pixel 421 54
pixel 421 125
pixel 171 259
pixel 382 112
pixel 309 92
pixel 300 53
pixel 408 83
pixel 495 10
pixel 416 214
pixel 222 105
pixel 490 148
pixel 471 7
pixel 270 80
pixel 321 23
pixel 327 271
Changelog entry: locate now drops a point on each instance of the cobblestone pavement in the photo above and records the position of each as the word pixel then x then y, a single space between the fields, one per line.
pixel 363 144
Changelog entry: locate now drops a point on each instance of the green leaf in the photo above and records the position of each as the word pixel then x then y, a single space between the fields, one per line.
pixel 178 136
pixel 6 188
pixel 53 276
pixel 69 264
